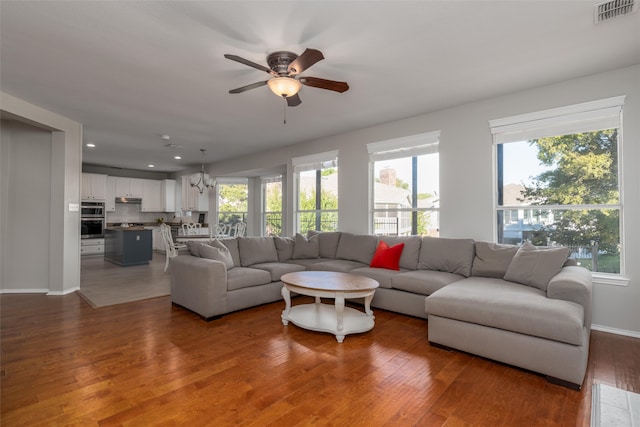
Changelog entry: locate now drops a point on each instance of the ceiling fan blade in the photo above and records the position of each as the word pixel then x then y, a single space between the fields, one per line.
pixel 324 84
pixel 248 87
pixel 294 101
pixel 247 62
pixel 304 61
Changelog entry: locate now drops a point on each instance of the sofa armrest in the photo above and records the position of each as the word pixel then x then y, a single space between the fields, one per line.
pixel 199 284
pixel 573 283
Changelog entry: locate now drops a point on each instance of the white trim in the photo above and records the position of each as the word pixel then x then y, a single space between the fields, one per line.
pixel 585 117
pixel 231 180
pixel 327 156
pixel 406 146
pixel 65 292
pixel 26 291
pixel 615 331
pixel 601 104
pixel 609 279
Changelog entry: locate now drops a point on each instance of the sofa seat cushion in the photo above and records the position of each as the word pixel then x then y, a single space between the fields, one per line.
pixel 509 306
pixel 244 277
pixel 277 269
pixel 423 282
pixel 340 265
pixel 382 275
pixel 307 263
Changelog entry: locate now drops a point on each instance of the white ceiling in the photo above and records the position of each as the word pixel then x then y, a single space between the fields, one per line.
pixel 133 71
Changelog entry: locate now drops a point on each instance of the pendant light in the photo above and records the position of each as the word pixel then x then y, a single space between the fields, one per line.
pixel 202 180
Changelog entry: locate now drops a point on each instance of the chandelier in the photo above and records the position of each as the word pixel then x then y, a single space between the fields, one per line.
pixel 202 180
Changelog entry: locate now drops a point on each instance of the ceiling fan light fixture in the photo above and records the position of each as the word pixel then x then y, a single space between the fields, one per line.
pixel 284 86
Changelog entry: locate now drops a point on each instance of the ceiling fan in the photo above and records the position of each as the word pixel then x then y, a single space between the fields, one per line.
pixel 284 68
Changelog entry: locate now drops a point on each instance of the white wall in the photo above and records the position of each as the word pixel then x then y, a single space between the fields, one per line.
pixel 62 234
pixel 466 171
pixel 25 234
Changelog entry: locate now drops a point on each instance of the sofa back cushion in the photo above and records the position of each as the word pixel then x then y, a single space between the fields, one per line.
pixel 356 247
pixel 411 251
pixel 328 242
pixel 492 259
pixel 451 255
pixel 284 247
pixel 254 250
pixel 535 266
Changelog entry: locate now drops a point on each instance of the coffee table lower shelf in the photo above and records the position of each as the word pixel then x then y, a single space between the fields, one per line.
pixel 323 318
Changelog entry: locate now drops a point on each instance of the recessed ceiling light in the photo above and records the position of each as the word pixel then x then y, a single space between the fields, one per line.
pixel 91 145
pixel 152 166
pixel 177 157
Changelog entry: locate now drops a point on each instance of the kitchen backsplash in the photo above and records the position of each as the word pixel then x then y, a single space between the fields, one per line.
pixel 128 212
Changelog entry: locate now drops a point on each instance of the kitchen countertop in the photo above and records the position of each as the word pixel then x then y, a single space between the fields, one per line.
pixel 135 228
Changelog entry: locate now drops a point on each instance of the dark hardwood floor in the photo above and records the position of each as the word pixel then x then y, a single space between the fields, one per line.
pixel 150 363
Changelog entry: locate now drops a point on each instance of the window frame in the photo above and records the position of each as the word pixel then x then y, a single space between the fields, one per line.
pixel 264 180
pixel 231 181
pixel 314 162
pixel 408 147
pixel 578 118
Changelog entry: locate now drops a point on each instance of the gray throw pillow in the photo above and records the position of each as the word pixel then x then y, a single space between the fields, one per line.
pixel 533 266
pixel 306 248
pixel 284 247
pixel 194 247
pixel 492 259
pixel 218 254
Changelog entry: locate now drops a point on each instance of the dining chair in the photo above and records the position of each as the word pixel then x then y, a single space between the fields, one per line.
pixel 238 229
pixel 171 248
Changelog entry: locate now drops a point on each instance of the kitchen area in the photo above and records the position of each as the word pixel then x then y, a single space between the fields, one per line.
pixel 121 216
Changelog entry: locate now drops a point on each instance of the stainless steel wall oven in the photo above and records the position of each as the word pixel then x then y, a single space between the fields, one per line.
pixel 92 220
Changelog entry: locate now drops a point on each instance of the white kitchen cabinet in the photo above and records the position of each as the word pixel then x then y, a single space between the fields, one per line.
pixel 169 195
pixel 94 187
pixel 91 247
pixel 152 196
pixel 192 200
pixel 156 237
pixel 129 187
pixel 110 201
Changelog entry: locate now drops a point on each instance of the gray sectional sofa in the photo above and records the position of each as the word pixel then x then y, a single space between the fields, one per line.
pixel 524 306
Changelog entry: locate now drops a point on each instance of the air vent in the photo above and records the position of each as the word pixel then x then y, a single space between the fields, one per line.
pixel 612 9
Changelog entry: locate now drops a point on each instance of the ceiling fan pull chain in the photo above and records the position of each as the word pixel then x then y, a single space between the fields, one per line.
pixel 284 111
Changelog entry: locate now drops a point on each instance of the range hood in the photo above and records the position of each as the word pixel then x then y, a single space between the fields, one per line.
pixel 131 200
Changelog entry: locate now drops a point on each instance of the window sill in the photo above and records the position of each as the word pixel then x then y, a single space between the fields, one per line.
pixel 610 279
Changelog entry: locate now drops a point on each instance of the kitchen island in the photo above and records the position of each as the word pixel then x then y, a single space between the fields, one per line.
pixel 127 246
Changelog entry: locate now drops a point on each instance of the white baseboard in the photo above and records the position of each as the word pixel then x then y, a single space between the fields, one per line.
pixel 65 292
pixel 38 291
pixel 616 331
pixel 24 291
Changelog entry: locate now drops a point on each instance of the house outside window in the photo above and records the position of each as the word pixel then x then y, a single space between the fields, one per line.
pixel 404 182
pixel 271 205
pixel 232 203
pixel 558 181
pixel 316 182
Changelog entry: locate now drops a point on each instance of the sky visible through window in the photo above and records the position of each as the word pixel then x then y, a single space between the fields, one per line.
pixel 521 163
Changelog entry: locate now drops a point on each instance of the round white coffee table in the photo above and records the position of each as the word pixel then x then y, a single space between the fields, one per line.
pixel 334 319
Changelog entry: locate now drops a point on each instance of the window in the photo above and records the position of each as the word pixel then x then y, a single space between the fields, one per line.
pixel 558 181
pixel 233 195
pixel 271 205
pixel 405 185
pixel 316 179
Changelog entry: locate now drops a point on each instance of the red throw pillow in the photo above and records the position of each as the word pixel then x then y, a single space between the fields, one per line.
pixel 387 257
